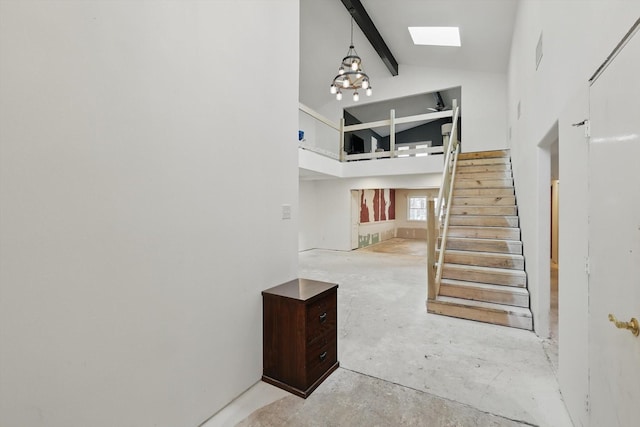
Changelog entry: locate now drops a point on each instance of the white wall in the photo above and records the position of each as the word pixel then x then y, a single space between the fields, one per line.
pixel 308 218
pixel 139 224
pixel 576 40
pixel 332 201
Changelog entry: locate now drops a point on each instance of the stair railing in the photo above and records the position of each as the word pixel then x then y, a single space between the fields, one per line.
pixel 439 214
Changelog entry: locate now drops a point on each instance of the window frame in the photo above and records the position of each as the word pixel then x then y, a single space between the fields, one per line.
pixel 411 209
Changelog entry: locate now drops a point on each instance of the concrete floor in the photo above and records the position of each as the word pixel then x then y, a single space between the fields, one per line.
pixel 384 333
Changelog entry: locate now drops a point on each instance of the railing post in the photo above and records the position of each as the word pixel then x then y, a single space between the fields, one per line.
pixel 392 132
pixel 431 249
pixel 342 139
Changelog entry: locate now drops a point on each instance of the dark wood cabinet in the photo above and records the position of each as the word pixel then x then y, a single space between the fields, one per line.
pixel 300 341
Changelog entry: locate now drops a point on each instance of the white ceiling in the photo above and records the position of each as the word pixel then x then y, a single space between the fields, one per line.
pixel 486 28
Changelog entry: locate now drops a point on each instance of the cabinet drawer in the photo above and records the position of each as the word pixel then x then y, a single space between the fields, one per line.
pixel 318 326
pixel 321 357
pixel 321 318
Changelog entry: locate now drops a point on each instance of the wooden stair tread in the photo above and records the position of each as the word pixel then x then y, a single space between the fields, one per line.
pixel 474 227
pixel 476 291
pixel 500 167
pixel 483 183
pixel 483 210
pixel 483 200
pixel 479 232
pixel 485 154
pixel 482 253
pixel 484 162
pixel 484 245
pixel 493 275
pixel 486 286
pixel 488 306
pixel 505 271
pixel 479 192
pixel 484 259
pixel 485 220
pixel 485 175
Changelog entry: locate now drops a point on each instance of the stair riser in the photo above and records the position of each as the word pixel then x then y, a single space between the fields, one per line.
pixel 484 201
pixel 463 170
pixel 480 192
pixel 505 297
pixel 484 162
pixel 484 246
pixel 485 154
pixel 472 313
pixel 484 277
pixel 484 221
pixel 485 233
pixel 484 175
pixel 497 261
pixel 482 183
pixel 484 210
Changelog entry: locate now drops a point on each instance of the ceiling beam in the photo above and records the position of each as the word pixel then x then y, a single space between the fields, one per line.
pixel 360 15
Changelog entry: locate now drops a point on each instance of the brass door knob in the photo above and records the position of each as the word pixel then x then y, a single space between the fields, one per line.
pixel 632 325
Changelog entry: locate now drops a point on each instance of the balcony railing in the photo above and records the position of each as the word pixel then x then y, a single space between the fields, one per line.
pixel 327 138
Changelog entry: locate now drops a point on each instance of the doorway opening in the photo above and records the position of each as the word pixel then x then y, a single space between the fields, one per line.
pixel 554 249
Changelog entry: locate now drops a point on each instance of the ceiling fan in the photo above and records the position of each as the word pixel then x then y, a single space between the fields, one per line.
pixel 439 103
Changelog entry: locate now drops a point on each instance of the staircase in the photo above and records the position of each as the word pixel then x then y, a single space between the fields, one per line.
pixel 483 275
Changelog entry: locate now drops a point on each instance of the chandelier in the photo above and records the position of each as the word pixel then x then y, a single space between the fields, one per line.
pixel 350 75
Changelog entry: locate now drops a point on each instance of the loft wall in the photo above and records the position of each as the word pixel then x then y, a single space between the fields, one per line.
pixel 136 235
pixel 485 94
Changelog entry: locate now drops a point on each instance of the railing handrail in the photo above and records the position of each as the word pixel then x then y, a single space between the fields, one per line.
pixel 445 192
pixel 399 120
pixel 445 169
pixel 445 230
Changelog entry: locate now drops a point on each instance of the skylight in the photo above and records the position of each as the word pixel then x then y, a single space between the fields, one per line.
pixel 435 36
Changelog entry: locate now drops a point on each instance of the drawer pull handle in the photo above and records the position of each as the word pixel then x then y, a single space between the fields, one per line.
pixel 323 356
pixel 323 317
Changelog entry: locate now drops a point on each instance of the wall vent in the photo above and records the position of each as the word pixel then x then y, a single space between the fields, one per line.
pixel 539 51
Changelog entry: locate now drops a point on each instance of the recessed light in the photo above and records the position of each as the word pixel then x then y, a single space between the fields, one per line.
pixel 435 36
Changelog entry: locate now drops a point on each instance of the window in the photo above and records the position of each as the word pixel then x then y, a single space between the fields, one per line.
pixel 403 148
pixel 417 208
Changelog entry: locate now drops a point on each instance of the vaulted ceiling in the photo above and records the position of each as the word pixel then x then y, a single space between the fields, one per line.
pixel 486 28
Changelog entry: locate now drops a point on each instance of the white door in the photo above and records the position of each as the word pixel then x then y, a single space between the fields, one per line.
pixel 614 240
pixel 355 218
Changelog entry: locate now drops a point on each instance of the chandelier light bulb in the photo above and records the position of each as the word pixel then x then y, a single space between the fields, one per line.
pixel 350 76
